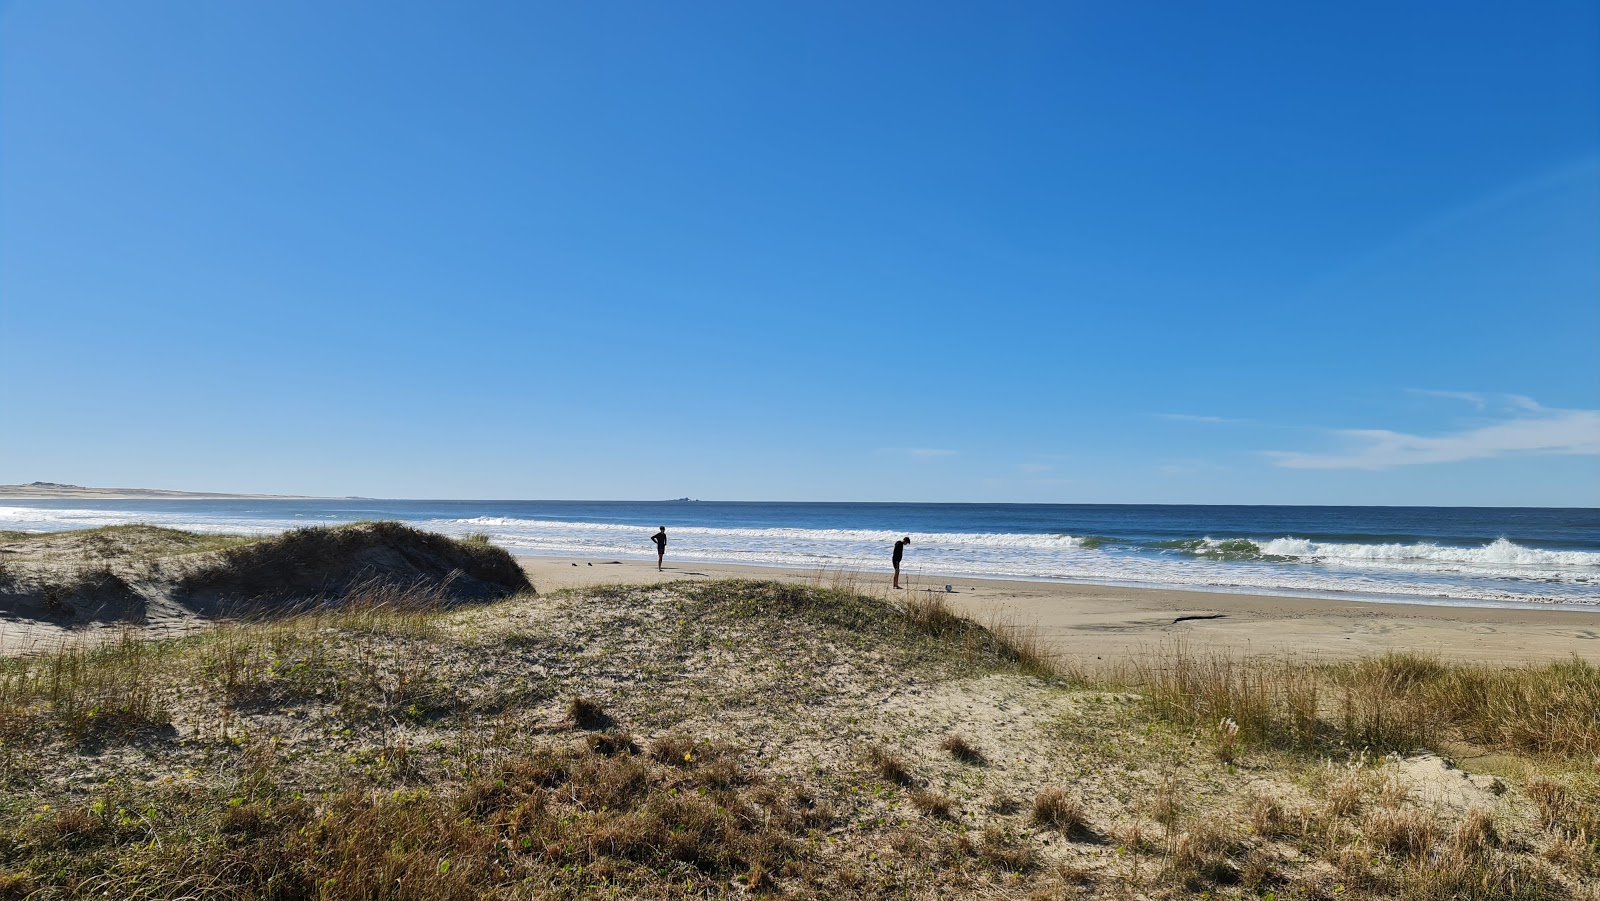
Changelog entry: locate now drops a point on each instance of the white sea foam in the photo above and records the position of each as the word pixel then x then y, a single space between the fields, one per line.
pixel 1498 553
pixel 1497 571
pixel 1415 570
pixel 878 536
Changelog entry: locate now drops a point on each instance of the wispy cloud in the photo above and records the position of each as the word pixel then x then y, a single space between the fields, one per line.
pixel 1191 417
pixel 923 452
pixel 1531 429
pixel 1471 397
pixel 1483 401
pixel 1034 468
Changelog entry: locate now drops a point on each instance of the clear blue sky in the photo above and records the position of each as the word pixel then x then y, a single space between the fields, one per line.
pixel 1237 253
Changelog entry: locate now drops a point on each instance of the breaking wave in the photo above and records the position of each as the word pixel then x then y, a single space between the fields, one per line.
pixel 1499 558
pixel 877 536
pixel 1498 570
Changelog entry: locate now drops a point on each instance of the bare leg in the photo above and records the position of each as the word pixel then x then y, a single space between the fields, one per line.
pixel 660 555
pixel 897 575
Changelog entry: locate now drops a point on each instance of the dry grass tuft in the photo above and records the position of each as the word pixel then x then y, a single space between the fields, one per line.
pixel 931 613
pixel 1396 702
pixel 1060 810
pixel 1006 851
pixel 1476 833
pixel 889 765
pixel 1462 876
pixel 586 713
pixel 932 803
pixel 1543 709
pixel 1261 867
pixel 1394 793
pixel 1206 851
pixel 1026 647
pixel 1346 793
pixel 1411 832
pixel 1267 816
pixel 610 743
pixel 1166 806
pixel 674 749
pixel 245 819
pixel 1574 853
pixel 960 748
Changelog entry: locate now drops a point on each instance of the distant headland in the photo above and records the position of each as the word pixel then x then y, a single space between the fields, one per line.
pixel 57 490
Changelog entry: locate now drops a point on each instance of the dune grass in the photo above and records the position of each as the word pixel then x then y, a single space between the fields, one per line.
pixel 395 746
pixel 128 541
pixel 100 693
pixel 480 807
pixel 323 561
pixel 1397 702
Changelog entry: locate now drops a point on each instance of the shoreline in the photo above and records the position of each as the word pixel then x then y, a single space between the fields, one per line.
pixel 1094 621
pixel 868 573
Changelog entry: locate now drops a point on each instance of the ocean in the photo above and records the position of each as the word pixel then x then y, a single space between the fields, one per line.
pixel 1491 555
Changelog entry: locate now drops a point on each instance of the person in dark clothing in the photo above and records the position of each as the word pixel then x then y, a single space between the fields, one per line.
pixel 660 541
pixel 899 551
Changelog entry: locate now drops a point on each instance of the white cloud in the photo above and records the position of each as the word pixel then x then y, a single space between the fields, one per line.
pixel 923 451
pixel 1532 429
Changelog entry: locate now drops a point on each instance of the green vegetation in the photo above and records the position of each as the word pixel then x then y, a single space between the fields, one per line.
pixel 322 562
pixel 122 542
pixel 137 573
pixel 758 738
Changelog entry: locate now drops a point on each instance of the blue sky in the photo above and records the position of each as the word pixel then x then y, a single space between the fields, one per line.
pixel 1108 252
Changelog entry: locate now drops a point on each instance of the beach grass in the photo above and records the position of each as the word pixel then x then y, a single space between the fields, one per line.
pixel 1396 702
pixel 738 738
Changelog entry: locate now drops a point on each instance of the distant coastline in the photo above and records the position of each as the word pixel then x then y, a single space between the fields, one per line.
pixel 59 491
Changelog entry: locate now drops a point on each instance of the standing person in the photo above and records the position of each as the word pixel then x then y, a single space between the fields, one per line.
pixel 660 541
pixel 899 551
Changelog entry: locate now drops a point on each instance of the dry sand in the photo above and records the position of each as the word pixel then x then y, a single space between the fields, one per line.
pixel 1107 623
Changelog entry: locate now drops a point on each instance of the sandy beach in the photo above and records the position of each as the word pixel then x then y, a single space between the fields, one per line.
pixel 1107 623
pixel 832 743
